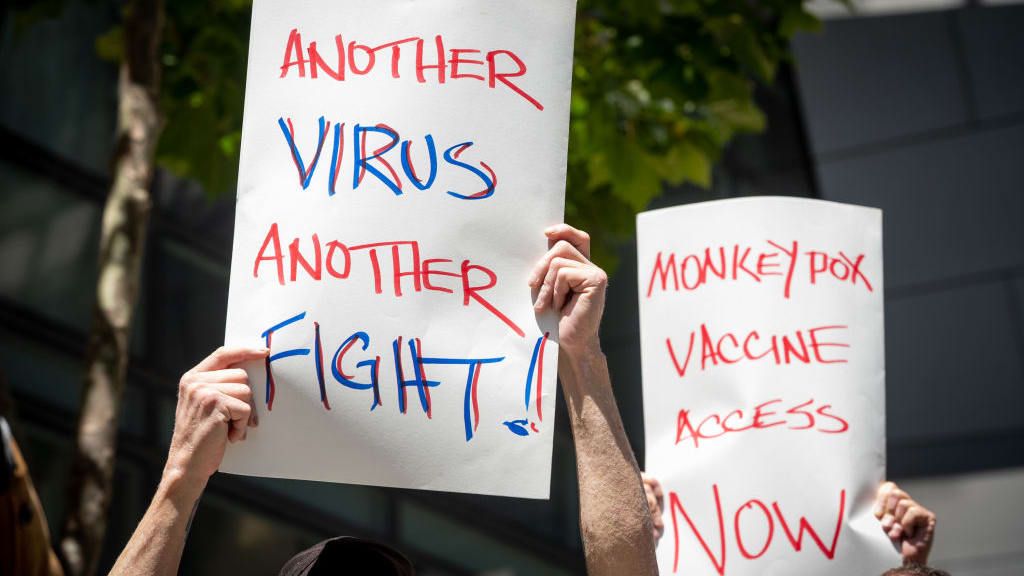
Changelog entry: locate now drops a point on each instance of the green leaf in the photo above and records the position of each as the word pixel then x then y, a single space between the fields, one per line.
pixel 687 162
pixel 740 40
pixel 110 45
pixel 796 19
pixel 740 116
pixel 634 177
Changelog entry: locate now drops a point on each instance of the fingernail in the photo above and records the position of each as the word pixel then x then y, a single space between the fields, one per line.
pixel 887 521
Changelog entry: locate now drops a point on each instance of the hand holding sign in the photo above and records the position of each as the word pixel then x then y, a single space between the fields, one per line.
pixel 214 408
pixel 567 282
pixel 908 524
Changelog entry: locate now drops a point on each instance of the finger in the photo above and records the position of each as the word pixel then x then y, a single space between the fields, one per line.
pixel 226 375
pixel 225 357
pixel 561 249
pixel 571 280
pixel 244 393
pixel 901 509
pixel 896 532
pixel 887 522
pixel 659 529
pixel 237 414
pixel 652 503
pixel 546 293
pixel 881 497
pixel 658 492
pixel 894 499
pixel 578 238
pixel 233 389
pixel 566 279
pixel 916 521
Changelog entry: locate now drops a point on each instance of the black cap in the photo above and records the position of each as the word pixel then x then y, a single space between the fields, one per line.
pixel 346 555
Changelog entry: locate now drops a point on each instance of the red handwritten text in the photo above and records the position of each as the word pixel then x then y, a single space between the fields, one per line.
pixel 674 272
pixel 802 347
pixel 495 67
pixel 803 416
pixel 336 258
pixel 794 530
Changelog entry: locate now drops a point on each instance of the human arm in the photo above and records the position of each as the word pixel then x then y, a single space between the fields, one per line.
pixel 213 409
pixel 614 518
pixel 908 524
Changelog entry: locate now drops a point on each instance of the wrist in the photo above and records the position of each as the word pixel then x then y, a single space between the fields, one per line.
pixel 583 369
pixel 582 353
pixel 180 487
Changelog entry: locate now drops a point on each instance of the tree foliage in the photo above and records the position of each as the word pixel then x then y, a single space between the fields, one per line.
pixel 659 88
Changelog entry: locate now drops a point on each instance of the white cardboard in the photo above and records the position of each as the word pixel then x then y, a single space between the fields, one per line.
pixel 804 470
pixel 517 122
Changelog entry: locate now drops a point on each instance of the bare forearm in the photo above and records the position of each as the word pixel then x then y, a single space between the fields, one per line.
pixel 156 546
pixel 614 518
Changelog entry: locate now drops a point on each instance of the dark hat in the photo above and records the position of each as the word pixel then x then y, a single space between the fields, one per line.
pixel 345 556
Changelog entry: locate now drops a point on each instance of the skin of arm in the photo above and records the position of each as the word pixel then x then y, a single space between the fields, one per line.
pixel 615 521
pixel 214 408
pixel 909 525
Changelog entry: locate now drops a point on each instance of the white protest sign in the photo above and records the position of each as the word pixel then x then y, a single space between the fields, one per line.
pixel 764 385
pixel 399 163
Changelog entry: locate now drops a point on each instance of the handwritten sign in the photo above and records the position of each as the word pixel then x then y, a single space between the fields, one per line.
pixel 764 393
pixel 400 161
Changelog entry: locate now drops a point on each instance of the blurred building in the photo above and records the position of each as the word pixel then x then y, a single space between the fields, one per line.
pixel 917 109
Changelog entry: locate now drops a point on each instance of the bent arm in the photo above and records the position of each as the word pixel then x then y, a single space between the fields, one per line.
pixel 213 409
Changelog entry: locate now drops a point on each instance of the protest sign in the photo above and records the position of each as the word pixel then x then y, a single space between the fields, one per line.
pixel 763 379
pixel 399 163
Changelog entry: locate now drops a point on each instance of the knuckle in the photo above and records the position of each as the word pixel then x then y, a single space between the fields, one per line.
pixel 207 398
